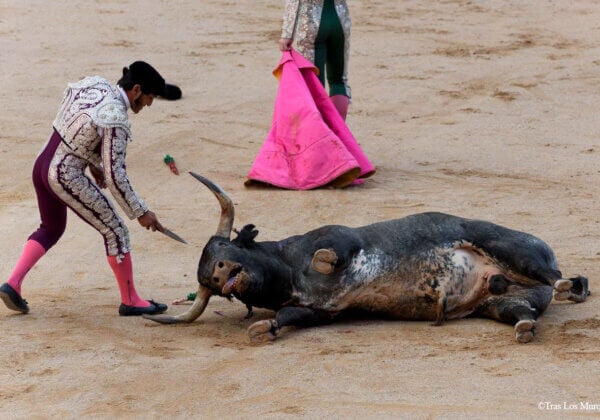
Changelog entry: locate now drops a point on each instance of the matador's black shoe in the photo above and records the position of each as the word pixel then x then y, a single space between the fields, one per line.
pixel 154 309
pixel 12 299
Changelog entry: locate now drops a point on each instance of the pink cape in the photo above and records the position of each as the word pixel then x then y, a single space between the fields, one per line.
pixel 309 144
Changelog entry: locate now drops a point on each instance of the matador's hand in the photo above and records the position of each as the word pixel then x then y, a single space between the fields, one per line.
pixel 150 221
pixel 285 44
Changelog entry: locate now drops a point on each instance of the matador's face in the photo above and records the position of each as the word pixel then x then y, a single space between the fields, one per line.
pixel 142 101
pixel 139 99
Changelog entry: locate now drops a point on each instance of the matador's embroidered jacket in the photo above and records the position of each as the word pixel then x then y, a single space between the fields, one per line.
pixel 94 126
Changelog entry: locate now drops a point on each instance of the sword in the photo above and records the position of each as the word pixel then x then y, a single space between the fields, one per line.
pixel 172 235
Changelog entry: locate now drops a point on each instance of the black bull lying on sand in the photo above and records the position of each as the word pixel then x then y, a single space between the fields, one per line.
pixel 428 266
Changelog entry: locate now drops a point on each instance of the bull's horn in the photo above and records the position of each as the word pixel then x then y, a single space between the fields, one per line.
pixel 227 211
pixel 202 298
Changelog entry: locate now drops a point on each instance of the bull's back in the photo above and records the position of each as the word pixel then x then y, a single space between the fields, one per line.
pixel 524 253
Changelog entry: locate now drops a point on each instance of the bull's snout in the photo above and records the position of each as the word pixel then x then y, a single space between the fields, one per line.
pixel 225 275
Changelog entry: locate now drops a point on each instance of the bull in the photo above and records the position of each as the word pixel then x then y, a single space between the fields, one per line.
pixel 428 266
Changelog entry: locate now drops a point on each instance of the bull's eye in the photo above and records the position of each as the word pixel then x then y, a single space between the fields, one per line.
pixel 220 264
pixel 216 279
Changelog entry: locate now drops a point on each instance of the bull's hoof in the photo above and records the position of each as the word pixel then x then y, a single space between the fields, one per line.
pixel 574 289
pixel 524 330
pixel 263 331
pixel 562 289
pixel 324 261
pixel 560 296
pixel 563 285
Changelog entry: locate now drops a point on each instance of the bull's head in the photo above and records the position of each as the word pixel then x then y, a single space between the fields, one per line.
pixel 217 274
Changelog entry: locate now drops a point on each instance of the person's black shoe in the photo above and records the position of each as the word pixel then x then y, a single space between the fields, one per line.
pixel 160 307
pixel 12 299
pixel 153 309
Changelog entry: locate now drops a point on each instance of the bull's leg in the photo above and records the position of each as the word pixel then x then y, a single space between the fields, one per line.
pixel 520 314
pixel 574 289
pixel 269 329
pixel 324 260
pixel 515 311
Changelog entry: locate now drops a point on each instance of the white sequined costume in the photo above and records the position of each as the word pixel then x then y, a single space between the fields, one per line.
pixel 94 128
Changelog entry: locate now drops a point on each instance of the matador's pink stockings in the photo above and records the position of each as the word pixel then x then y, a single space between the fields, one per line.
pixel 341 103
pixel 32 252
pixel 124 273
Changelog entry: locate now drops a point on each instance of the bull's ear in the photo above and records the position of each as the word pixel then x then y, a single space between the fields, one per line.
pixel 246 236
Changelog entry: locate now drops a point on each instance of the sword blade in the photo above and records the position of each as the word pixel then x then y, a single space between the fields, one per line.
pixel 173 235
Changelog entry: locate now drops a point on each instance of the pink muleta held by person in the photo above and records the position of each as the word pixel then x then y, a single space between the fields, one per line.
pixel 309 144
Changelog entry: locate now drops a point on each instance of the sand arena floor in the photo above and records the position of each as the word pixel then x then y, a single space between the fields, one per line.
pixel 484 109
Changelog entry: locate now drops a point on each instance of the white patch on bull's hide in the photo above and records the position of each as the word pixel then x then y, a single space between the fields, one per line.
pixel 365 267
pixel 363 270
pixel 463 259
